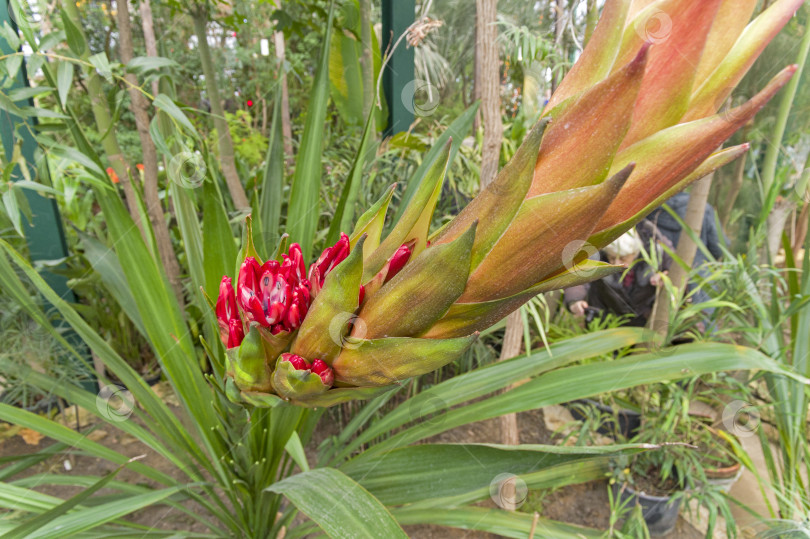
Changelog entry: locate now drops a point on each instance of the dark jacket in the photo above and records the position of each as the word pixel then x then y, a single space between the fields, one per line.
pixel 628 293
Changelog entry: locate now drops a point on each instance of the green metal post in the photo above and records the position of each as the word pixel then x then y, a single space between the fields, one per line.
pixel 397 16
pixel 44 235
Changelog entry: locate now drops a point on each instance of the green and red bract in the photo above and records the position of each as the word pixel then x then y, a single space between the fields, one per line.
pixel 635 121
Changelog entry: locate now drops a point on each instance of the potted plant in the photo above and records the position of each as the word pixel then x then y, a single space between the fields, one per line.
pixel 694 460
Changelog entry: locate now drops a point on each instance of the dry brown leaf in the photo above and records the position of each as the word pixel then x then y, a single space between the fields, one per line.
pixel 30 437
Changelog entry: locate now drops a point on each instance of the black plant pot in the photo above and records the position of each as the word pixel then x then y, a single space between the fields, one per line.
pixel 629 421
pixel 659 512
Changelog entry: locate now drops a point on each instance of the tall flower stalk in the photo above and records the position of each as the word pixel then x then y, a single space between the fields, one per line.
pixel 634 122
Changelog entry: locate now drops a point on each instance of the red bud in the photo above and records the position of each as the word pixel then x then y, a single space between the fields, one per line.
pixel 298 362
pixel 331 257
pixel 398 261
pixel 324 371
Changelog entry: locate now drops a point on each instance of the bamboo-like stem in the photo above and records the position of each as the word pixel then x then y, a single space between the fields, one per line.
pixel 103 118
pixel 686 251
pixel 777 214
pixel 226 152
pixel 139 106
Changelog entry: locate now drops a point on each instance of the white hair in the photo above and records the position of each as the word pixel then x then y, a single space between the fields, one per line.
pixel 627 244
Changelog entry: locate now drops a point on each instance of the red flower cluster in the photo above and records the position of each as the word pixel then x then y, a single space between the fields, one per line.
pixel 273 295
pixel 277 296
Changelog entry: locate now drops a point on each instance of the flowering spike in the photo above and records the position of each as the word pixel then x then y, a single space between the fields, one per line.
pixel 624 102
pixel 579 146
pixel 567 217
pixel 670 74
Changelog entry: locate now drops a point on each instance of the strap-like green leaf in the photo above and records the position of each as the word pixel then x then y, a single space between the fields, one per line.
pixel 26 529
pixel 484 381
pixel 432 471
pixel 578 382
pixel 341 507
pixel 502 523
pixel 165 103
pixel 92 517
pixel 304 206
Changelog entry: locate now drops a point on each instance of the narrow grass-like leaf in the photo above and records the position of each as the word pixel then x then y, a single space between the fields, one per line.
pixel 165 103
pixel 578 382
pixel 497 521
pixel 105 262
pixel 480 382
pixel 430 471
pixel 27 528
pixel 165 421
pixel 164 323
pixel 458 130
pixel 304 207
pixel 344 213
pixel 74 523
pixel 219 247
pixel 64 434
pixel 272 181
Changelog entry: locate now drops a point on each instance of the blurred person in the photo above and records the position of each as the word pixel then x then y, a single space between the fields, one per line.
pixel 631 292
